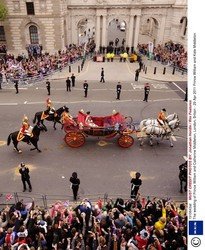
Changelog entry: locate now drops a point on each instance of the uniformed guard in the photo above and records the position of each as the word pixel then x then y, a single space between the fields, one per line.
pixel 48 86
pixel 16 84
pixel 135 185
pixel 162 118
pixel 146 92
pixel 102 75
pixel 119 87
pixel 137 72
pixel 73 80
pixel 85 86
pixel 68 84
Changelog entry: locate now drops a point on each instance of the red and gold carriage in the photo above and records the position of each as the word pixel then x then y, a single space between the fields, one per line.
pixel 101 127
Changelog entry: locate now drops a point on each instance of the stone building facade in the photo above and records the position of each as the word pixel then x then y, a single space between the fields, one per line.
pixel 57 23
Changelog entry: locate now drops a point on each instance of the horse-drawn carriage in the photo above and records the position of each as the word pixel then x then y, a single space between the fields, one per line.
pixel 101 127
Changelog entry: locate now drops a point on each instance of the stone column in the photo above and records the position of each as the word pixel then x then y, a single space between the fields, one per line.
pixel 104 31
pixel 161 30
pixel 137 31
pixel 97 33
pixel 131 25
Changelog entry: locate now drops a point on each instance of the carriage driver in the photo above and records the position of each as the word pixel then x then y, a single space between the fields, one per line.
pixel 162 119
pixel 50 110
pixel 26 129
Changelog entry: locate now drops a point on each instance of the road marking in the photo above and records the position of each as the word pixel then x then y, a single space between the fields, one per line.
pixel 168 99
pixel 91 101
pixel 16 170
pixel 2 143
pixel 135 86
pixel 159 85
pixel 129 68
pixel 2 104
pixel 133 173
pixel 185 158
pixel 102 143
pixel 35 102
pixel 179 87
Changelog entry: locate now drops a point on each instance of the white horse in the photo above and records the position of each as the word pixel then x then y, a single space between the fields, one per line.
pixel 159 131
pixel 151 121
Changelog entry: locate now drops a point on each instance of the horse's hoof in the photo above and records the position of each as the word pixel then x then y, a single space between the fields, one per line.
pixel 39 151
pixel 140 145
pixel 171 146
pixel 151 145
pixel 14 149
pixel 19 151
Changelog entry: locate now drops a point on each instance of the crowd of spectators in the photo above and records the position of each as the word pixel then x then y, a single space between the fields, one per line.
pixel 133 224
pixel 40 65
pixel 170 53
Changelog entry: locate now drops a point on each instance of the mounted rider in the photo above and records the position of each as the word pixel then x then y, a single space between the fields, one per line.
pixel 50 110
pixel 26 130
pixel 162 119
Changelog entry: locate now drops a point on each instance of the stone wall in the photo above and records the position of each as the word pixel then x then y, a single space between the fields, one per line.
pixel 57 21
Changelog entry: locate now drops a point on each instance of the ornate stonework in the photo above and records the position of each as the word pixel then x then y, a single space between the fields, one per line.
pixel 59 19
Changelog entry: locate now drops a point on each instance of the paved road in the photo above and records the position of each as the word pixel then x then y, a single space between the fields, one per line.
pixel 102 167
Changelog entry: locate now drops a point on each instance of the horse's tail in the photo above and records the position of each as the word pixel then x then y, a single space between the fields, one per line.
pixel 34 119
pixel 9 140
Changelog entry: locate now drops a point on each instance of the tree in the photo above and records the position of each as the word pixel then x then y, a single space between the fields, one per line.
pixel 3 11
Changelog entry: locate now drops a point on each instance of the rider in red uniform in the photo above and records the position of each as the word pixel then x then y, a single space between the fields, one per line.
pixel 50 110
pixel 26 128
pixel 162 118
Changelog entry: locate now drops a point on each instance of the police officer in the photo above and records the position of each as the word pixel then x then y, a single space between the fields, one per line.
pixel 75 183
pixel 137 74
pixel 135 185
pixel 68 84
pixel 140 65
pixel 85 86
pixel 146 92
pixel 102 76
pixel 16 85
pixel 119 87
pixel 48 86
pixel 73 80
pixel 25 177
pixel 1 79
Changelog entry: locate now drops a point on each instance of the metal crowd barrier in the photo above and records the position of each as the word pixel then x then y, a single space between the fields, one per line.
pixel 25 80
pixel 46 201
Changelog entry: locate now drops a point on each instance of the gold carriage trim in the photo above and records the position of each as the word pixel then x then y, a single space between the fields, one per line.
pixel 44 116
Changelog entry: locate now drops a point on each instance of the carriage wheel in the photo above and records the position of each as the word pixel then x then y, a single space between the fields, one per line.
pixel 74 140
pixel 125 141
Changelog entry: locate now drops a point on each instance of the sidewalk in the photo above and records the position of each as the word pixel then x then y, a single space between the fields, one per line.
pixel 150 65
pixel 159 76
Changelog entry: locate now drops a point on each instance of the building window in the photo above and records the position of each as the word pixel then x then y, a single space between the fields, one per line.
pixel 2 34
pixel 30 8
pixel 33 31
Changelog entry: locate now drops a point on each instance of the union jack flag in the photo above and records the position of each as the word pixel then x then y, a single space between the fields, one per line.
pixel 9 197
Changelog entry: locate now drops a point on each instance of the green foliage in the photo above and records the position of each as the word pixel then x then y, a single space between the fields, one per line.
pixel 3 11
